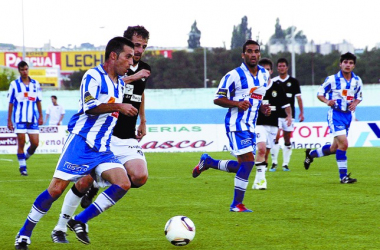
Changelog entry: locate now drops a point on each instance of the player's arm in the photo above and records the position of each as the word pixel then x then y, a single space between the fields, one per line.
pixel 10 111
pixel 93 106
pixel 300 106
pixel 144 73
pixel 226 103
pixel 322 98
pixel 46 118
pixel 288 118
pixel 141 130
pixel 40 115
pixel 323 90
pixel 60 119
pixel 358 96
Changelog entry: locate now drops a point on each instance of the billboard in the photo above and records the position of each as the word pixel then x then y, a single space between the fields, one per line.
pixel 80 60
pixel 202 137
pixel 36 59
pixel 46 77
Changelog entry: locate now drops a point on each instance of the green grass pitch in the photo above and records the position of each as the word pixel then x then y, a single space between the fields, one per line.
pixel 299 210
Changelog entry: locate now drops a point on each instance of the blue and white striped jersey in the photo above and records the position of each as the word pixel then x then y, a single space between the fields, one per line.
pixel 24 99
pixel 96 88
pixel 344 92
pixel 238 85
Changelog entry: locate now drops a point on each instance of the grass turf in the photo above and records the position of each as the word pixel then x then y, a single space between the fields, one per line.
pixel 300 210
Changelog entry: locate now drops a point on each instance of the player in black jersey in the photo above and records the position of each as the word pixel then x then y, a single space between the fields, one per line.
pixel 267 126
pixel 293 91
pixel 124 141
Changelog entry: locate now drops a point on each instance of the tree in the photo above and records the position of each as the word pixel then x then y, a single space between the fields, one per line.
pixel 75 80
pixel 241 34
pixel 6 76
pixel 194 37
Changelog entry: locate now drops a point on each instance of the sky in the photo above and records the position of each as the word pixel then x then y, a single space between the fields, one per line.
pixel 169 21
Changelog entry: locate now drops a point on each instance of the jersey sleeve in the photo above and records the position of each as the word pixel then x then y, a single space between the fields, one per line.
pixel 39 92
pixel 226 87
pixel 11 93
pixel 297 88
pixel 90 89
pixel 325 87
pixel 358 91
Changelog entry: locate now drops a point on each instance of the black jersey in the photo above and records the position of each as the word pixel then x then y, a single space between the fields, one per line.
pixel 126 125
pixel 292 89
pixel 277 99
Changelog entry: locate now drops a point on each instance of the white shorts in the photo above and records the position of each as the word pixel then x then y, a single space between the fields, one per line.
pixel 26 128
pixel 126 149
pixel 267 134
pixel 282 125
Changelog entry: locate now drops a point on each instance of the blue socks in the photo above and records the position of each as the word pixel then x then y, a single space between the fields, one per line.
pixel 323 151
pixel 105 200
pixel 21 160
pixel 40 206
pixel 241 182
pixel 341 160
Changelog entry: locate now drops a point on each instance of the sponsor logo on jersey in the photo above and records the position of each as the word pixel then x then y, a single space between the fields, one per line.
pixel 222 92
pixel 136 98
pixel 111 100
pixel 115 114
pixel 256 96
pixel 31 98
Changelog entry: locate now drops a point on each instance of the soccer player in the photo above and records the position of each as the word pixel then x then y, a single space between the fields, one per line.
pixel 24 97
pixel 293 91
pixel 124 140
pixel 241 91
pixel 87 149
pixel 55 112
pixel 267 126
pixel 342 92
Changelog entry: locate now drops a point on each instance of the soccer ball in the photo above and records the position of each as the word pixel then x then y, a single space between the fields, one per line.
pixel 179 230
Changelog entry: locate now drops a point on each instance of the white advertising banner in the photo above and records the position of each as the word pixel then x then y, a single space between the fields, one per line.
pixel 201 137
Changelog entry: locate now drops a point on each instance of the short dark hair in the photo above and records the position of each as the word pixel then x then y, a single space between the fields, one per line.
pixel 282 60
pixel 54 96
pixel 348 56
pixel 248 42
pixel 266 61
pixel 21 65
pixel 136 30
pixel 116 45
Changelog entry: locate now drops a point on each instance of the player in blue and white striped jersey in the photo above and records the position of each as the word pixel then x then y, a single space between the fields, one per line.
pixel 87 151
pixel 241 91
pixel 24 97
pixel 342 92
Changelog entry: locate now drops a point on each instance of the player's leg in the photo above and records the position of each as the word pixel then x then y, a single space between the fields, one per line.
pixel 40 207
pixel 70 204
pixel 287 150
pixel 244 147
pixel 34 140
pixel 341 159
pixel 276 148
pixel 261 140
pixel 137 172
pixel 20 153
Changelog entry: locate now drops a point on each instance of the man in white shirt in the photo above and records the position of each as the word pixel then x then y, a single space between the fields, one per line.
pixel 55 112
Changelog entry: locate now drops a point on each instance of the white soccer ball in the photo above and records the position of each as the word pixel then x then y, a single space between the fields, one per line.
pixel 179 230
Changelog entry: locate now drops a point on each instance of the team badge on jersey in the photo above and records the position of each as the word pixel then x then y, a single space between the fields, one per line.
pixel 129 89
pixel 274 93
pixel 288 84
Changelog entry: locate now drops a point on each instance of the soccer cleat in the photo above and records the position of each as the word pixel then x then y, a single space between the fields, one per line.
pixel 285 168
pixel 80 229
pixel 59 236
pixel 348 180
pixel 87 198
pixel 240 208
pixel 23 171
pixel 260 185
pixel 201 166
pixel 22 242
pixel 273 168
pixel 308 160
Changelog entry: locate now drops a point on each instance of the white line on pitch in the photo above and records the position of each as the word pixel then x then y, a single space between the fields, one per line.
pixel 6 160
